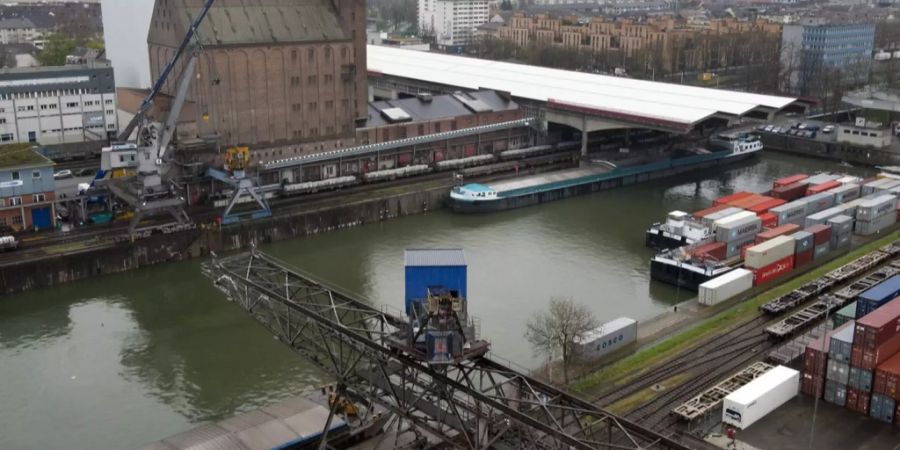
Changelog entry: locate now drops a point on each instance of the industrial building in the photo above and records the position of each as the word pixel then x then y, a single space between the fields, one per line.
pixel 814 45
pixel 453 23
pixel 27 189
pixel 58 105
pixel 280 75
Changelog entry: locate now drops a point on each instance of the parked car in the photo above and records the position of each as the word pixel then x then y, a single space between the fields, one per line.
pixel 801 126
pixel 769 128
pixel 828 129
pixel 812 128
pixel 761 127
pixel 62 174
pixel 796 125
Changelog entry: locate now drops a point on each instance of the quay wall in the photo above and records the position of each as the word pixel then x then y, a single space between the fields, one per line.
pixel 834 151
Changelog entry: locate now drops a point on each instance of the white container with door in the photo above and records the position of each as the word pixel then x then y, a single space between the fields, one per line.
pixel 761 396
pixel 725 286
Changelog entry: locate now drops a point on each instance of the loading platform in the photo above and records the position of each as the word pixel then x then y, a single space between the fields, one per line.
pixel 711 398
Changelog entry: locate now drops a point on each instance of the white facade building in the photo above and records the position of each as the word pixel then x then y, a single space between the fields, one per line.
pixel 58 105
pixel 452 22
pixel 17 30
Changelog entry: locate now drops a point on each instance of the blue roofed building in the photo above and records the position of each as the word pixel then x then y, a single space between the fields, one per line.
pixel 812 46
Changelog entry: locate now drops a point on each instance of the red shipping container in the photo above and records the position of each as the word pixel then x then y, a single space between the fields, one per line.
pixel 815 356
pixel 803 258
pixel 879 326
pixel 714 250
pixel 789 180
pixel 819 188
pixel 857 400
pixel 790 192
pixel 730 198
pixel 811 385
pixel 705 212
pixel 773 271
pixel 897 415
pixel 767 205
pixel 750 201
pixel 770 220
pixel 777 231
pixel 821 233
pixel 868 359
pixel 886 380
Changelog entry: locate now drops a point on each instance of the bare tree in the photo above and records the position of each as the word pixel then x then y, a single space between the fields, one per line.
pixel 556 330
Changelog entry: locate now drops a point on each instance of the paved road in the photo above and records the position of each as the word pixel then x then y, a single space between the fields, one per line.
pixel 69 186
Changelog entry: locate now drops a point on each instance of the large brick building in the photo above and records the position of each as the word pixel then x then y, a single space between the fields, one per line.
pixel 285 77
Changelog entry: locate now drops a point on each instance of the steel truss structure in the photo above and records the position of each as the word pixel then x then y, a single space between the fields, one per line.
pixel 475 404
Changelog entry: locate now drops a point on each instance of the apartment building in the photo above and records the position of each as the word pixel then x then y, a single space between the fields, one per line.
pixel 453 23
pixel 17 30
pixel 58 105
pixel 814 45
pixel 27 189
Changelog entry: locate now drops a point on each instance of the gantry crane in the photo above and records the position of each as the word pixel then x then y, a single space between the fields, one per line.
pixel 475 403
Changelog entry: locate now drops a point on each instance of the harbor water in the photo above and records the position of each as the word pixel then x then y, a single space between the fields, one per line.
pixel 121 361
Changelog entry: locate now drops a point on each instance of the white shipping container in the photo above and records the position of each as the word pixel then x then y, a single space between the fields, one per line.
pixel 762 255
pixel 761 396
pixel 732 218
pixel 607 338
pixel 709 219
pixel 822 216
pixel 725 286
pixel 849 179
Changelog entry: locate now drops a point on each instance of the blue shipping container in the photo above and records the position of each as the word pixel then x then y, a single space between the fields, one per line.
pixel 871 299
pixel 434 267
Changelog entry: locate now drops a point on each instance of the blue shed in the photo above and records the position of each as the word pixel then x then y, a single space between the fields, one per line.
pixel 434 267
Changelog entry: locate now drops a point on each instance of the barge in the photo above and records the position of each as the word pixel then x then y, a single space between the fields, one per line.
pixel 603 175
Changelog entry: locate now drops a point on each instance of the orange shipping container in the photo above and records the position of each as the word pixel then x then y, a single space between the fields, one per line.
pixel 765 206
pixel 819 188
pixel 770 220
pixel 730 198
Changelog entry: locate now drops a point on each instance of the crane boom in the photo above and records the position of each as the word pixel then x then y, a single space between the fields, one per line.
pixel 164 76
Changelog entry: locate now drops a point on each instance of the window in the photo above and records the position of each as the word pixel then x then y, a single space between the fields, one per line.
pixel 8 137
pixel 17 220
pixel 437 127
pixel 15 175
pixel 37 198
pixel 2 120
pixel 295 81
pixel 311 79
pixel 2 202
pixel 71 105
pixel 109 112
pixel 312 106
pixel 329 78
pixel 15 201
pixel 329 105
pixel 36 174
pixel 2 220
pixel 293 55
pixel 329 130
pixel 295 107
pixel 109 102
pixel 311 54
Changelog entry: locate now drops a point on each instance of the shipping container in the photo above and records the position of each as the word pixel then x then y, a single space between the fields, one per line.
pixel 887 187
pixel 793 212
pixel 764 207
pixel 819 188
pixel 803 258
pixel 869 359
pixel 730 198
pixel 818 202
pixel 845 193
pixel 835 393
pixel 837 371
pixel 870 187
pixel 820 178
pixel 710 218
pixel 876 225
pixel 821 251
pixel 736 217
pixel 840 224
pixel 790 192
pixel 735 247
pixel 877 295
pixel 711 210
pixel 770 220
pixel 777 231
pixel 815 356
pixel 850 179
pixel 876 207
pixel 882 407
pixel 775 249
pixel 749 201
pixel 433 267
pixel 761 396
pixel 860 379
pixel 789 180
pixel 713 251
pixel 725 286
pixel 844 315
pixel 840 348
pixel 857 400
pixel 887 378
pixel 822 217
pixel 850 207
pixel 880 325
pixel 803 240
pixel 773 271
pixel 821 234
pixel 840 242
pixel 811 385
pixel 607 338
pixel 738 229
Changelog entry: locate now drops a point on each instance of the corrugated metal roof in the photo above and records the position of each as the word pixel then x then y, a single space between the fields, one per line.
pixel 645 99
pixel 264 21
pixel 421 257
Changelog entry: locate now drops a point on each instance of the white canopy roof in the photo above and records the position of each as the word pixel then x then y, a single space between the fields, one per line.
pixel 677 103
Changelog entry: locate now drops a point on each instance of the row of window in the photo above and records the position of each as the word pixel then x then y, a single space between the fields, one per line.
pixel 17 201
pixel 16 220
pixel 311 54
pixel 35 174
pixel 44 94
pixel 861 133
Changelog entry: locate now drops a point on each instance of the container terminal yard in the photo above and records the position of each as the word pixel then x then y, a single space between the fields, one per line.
pixel 768 298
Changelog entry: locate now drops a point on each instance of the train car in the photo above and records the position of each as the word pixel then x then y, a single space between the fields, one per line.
pixel 309 187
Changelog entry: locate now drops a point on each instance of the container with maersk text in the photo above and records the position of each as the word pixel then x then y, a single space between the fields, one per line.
pixel 759 397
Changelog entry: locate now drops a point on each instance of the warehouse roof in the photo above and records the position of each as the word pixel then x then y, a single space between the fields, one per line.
pixel 427 108
pixel 21 155
pixel 434 257
pixel 260 21
pixel 680 105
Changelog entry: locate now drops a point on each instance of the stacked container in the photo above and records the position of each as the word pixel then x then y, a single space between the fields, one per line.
pixel 821 217
pixel 886 388
pixel 821 240
pixel 793 212
pixel 849 208
pixel 821 178
pixel 775 232
pixel 845 193
pixel 876 336
pixel 878 295
pixel 738 227
pixel 709 219
pixel 770 220
pixel 726 200
pixel 764 206
pixel 874 186
pixel 844 315
pixel 841 231
pixel 803 248
pixel 815 361
pixel 711 210
pixel 797 177
pixel 818 202
pixel 822 187
pixel 771 259
pixel 789 192
pixel 725 286
pixel 714 251
pixel 837 372
pixel 876 214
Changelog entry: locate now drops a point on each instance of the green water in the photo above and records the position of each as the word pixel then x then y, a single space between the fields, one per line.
pixel 121 361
